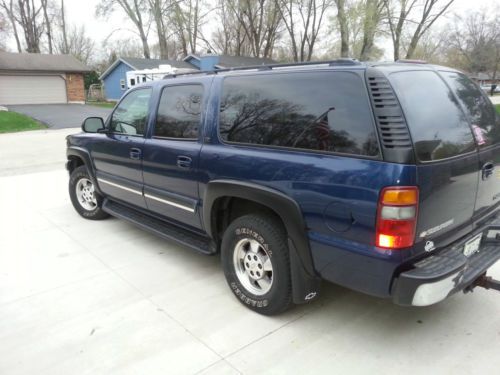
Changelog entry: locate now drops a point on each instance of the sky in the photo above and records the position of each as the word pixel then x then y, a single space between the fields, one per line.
pixel 82 12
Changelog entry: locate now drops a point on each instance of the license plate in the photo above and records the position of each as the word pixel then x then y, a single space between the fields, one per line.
pixel 472 246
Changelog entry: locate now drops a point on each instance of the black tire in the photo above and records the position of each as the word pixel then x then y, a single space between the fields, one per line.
pixel 269 233
pixel 93 214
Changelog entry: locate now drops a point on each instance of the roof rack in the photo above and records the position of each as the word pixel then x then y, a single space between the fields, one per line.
pixel 410 61
pixel 337 62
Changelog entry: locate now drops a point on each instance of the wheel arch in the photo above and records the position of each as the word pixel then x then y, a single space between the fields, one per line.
pixel 77 156
pixel 305 282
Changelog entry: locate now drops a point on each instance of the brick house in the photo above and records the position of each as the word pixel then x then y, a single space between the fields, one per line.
pixel 33 78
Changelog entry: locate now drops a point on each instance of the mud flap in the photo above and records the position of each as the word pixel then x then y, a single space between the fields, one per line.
pixel 305 287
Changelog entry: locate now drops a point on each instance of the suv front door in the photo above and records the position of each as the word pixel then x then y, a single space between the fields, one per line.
pixel 117 154
pixel 171 156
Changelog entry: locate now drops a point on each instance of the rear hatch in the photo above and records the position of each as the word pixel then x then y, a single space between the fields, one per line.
pixel 485 122
pixel 450 170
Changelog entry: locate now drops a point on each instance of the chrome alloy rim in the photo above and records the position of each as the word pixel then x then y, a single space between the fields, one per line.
pixel 85 194
pixel 253 266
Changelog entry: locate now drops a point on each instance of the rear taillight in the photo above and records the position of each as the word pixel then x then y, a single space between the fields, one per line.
pixel 397 217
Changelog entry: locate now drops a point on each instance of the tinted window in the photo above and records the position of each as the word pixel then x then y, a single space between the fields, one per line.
pixel 438 126
pixel 179 113
pixel 130 115
pixel 483 117
pixel 316 111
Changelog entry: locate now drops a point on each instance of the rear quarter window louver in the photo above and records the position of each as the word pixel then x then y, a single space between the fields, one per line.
pixel 391 125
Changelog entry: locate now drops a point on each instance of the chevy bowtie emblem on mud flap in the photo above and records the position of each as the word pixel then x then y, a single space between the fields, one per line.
pixel 310 296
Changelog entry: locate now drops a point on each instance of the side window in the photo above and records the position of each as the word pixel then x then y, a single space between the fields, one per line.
pixel 484 119
pixel 130 115
pixel 438 126
pixel 315 111
pixel 122 84
pixel 179 112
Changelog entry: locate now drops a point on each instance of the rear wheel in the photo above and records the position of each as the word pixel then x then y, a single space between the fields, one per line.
pixel 86 201
pixel 256 263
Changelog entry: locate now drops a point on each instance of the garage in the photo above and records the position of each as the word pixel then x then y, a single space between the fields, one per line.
pixel 35 78
pixel 31 89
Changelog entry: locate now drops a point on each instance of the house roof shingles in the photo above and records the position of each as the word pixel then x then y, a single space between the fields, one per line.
pixel 36 62
pixel 141 64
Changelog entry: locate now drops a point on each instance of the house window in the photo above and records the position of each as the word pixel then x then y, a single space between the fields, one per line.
pixel 122 84
pixel 132 81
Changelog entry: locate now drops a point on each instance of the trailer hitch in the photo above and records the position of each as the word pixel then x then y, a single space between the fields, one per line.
pixel 486 282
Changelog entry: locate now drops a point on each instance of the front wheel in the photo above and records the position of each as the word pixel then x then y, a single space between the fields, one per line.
pixel 256 263
pixel 86 201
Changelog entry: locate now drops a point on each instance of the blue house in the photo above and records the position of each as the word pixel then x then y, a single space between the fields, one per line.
pixel 115 79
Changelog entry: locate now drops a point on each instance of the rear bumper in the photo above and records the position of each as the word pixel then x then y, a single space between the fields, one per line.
pixel 438 276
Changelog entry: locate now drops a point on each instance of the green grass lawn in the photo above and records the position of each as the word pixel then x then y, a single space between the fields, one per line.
pixel 498 108
pixel 15 122
pixel 102 104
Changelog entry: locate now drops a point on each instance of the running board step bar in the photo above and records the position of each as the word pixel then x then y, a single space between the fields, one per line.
pixel 159 227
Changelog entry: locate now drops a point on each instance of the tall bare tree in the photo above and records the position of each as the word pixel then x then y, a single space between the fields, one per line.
pixel 303 20
pixel 160 9
pixel 3 31
pixel 260 20
pixel 474 42
pixel 415 17
pixel 63 28
pixel 343 27
pixel 9 7
pixel 136 11
pixel 77 44
pixel 186 18
pixel 47 7
pixel 29 18
pixel 397 20
pixel 229 37
pixel 429 15
pixel 373 14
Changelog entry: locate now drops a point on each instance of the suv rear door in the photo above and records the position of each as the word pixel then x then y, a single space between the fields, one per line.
pixel 171 155
pixel 485 122
pixel 447 158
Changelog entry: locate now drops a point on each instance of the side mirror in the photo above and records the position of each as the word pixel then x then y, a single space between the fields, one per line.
pixel 93 125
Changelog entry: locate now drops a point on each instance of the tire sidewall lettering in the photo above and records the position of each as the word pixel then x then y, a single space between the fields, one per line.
pixel 247 232
pixel 246 299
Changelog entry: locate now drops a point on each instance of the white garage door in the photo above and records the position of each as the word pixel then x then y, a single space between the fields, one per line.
pixel 19 89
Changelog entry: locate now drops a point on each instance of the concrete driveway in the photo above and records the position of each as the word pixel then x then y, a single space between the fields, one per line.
pixel 85 297
pixel 59 116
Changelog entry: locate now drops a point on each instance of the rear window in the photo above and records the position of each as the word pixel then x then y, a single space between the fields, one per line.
pixel 438 126
pixel 315 111
pixel 483 117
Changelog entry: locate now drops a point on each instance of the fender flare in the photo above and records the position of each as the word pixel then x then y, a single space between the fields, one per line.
pixel 84 154
pixel 305 282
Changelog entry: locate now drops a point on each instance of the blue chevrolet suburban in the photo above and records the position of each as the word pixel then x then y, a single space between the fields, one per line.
pixel 381 177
